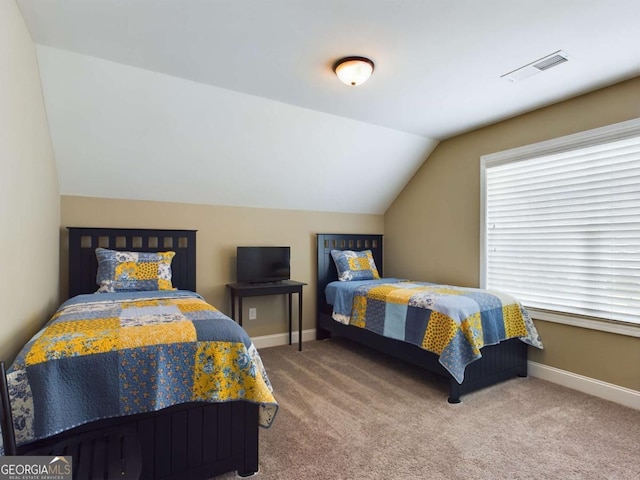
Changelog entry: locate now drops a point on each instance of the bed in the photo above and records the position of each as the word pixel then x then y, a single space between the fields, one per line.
pixel 182 374
pixel 493 363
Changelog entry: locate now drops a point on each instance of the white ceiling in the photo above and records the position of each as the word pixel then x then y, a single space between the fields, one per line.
pixel 438 67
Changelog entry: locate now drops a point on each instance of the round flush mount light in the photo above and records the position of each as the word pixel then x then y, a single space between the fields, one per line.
pixel 353 71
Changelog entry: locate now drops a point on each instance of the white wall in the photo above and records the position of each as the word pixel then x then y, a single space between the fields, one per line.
pixel 29 196
pixel 129 133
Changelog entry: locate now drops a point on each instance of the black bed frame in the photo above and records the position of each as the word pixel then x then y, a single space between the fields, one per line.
pixel 498 363
pixel 185 442
pixel 83 242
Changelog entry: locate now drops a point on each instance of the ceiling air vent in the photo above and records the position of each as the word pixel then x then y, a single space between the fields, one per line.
pixel 540 65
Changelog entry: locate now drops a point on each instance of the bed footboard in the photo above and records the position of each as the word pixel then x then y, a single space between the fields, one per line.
pixel 499 362
pixel 195 441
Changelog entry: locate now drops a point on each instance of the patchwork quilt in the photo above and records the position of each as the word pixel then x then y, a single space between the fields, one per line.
pixel 113 354
pixel 452 322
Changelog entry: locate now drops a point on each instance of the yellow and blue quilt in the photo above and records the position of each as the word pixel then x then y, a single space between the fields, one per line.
pixel 113 354
pixel 452 322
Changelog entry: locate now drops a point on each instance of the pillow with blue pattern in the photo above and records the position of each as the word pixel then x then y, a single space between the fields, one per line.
pixel 133 271
pixel 355 265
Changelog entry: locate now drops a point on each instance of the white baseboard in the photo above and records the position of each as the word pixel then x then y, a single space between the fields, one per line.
pixel 278 339
pixel 608 391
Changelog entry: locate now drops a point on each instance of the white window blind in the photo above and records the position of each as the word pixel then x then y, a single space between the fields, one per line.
pixel 562 228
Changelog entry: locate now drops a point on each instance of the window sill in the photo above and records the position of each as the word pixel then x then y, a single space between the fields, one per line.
pixel 602 325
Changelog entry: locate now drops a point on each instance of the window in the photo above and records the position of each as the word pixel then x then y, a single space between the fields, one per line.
pixel 561 227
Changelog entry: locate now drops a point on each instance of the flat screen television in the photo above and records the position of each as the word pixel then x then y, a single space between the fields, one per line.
pixel 263 264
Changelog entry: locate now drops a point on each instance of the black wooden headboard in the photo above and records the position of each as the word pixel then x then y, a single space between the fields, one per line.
pixel 83 242
pixel 340 241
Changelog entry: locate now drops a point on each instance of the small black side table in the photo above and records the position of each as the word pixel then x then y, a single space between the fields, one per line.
pixel 288 287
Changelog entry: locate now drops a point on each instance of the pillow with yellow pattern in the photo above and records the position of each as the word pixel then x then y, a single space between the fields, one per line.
pixel 355 265
pixel 133 271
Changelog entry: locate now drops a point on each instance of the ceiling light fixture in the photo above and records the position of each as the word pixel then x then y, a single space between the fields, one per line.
pixel 353 70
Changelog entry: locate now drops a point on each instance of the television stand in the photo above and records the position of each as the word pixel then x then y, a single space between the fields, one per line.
pixel 285 287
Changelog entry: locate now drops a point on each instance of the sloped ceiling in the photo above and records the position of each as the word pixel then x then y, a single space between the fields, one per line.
pixel 233 102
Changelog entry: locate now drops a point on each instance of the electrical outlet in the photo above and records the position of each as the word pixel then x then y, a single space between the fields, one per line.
pixel 253 313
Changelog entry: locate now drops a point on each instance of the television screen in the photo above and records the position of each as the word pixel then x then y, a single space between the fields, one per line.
pixel 263 264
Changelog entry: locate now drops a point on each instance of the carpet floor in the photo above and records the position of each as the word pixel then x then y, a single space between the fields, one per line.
pixel 347 412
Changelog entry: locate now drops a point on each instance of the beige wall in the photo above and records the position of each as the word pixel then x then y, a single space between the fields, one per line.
pixel 29 198
pixel 220 230
pixel 432 229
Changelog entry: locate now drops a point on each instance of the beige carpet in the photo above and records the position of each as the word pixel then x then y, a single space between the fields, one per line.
pixel 347 412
